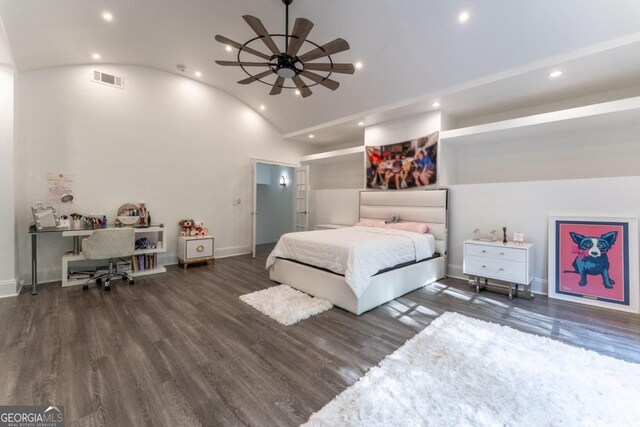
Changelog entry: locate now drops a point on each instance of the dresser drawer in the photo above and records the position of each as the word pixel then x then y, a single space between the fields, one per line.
pixel 492 268
pixel 200 248
pixel 497 252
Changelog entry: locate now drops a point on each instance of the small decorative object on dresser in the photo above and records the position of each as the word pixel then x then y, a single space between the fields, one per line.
pixel 195 249
pixel 510 263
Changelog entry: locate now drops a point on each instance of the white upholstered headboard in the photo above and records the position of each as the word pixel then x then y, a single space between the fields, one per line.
pixel 428 206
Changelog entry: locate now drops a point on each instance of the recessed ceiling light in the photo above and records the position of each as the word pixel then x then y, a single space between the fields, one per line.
pixel 262 107
pixel 311 136
pixel 555 74
pixel 464 16
pixel 107 16
pixel 360 123
pixel 198 74
pixel 358 65
pixel 229 48
pixel 96 56
pixel 435 104
pixel 297 92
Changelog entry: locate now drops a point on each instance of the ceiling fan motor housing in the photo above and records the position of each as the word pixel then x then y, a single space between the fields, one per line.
pixel 286 66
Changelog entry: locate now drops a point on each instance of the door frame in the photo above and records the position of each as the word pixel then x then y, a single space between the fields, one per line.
pixel 254 195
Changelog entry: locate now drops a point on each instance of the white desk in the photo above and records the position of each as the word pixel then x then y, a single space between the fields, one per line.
pixel 77 255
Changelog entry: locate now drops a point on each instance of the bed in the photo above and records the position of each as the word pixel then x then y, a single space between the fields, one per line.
pixel 380 277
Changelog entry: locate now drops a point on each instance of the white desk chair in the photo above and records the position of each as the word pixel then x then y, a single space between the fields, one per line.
pixel 109 244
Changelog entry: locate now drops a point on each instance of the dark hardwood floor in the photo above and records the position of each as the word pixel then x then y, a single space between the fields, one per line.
pixel 182 349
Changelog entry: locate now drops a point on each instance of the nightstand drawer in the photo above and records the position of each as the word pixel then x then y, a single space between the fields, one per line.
pixel 497 252
pixel 499 269
pixel 199 248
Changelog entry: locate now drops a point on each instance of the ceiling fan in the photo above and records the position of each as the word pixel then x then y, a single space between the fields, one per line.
pixel 288 64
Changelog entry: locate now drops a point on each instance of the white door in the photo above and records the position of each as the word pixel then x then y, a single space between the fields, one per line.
pixel 302 198
pixel 254 204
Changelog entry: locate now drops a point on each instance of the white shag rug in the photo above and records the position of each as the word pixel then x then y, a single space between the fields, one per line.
pixel 285 304
pixel 465 372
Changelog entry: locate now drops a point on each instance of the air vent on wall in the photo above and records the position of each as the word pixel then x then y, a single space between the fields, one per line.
pixel 108 79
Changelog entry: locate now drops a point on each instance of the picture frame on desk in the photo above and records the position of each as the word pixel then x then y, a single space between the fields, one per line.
pixel 594 261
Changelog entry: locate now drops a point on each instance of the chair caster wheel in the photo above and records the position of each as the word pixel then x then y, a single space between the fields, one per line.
pixel 125 278
pixel 107 288
pixel 131 282
pixel 99 282
pixel 85 288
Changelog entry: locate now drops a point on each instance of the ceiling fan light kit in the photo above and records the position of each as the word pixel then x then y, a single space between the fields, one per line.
pixel 288 64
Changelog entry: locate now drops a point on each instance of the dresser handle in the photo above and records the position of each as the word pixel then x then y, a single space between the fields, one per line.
pixel 501 253
pixel 484 252
pixel 502 269
pixel 484 266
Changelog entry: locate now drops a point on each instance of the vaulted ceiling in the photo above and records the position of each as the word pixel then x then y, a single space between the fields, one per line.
pixel 408 48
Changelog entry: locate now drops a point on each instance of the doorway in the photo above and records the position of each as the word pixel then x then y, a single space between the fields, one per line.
pixel 273 202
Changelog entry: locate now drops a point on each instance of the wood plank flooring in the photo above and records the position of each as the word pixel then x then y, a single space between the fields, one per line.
pixel 181 349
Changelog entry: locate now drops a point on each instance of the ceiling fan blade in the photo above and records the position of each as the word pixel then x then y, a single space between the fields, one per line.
pixel 277 86
pixel 328 83
pixel 244 64
pixel 334 68
pixel 229 42
pixel 304 90
pixel 331 48
pixel 255 78
pixel 301 30
pixel 257 26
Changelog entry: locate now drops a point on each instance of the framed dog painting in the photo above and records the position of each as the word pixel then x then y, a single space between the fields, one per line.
pixel 594 261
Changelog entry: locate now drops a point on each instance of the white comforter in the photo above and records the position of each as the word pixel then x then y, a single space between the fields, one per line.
pixel 355 252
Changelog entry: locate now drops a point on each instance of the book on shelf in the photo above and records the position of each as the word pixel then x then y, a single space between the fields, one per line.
pixel 143 262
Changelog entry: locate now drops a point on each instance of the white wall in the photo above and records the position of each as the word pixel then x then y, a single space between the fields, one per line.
pixel 8 283
pixel 274 203
pixel 597 153
pixel 526 206
pixel 337 175
pixel 7 201
pixel 334 207
pixel 183 147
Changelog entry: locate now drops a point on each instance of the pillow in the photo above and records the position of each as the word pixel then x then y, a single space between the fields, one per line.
pixel 416 227
pixel 367 222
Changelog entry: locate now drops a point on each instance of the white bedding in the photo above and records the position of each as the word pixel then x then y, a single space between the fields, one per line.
pixel 355 252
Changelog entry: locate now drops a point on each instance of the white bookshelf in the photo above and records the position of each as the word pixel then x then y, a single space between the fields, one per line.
pixel 70 257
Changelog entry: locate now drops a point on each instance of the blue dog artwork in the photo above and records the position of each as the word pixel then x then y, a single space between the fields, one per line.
pixel 592 258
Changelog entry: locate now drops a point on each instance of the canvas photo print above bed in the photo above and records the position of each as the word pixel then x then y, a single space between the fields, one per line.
pixel 403 165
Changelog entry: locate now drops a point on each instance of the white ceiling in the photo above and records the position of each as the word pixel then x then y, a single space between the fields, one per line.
pixel 409 48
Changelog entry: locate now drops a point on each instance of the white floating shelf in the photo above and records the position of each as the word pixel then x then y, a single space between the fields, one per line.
pixel 335 156
pixel 624 112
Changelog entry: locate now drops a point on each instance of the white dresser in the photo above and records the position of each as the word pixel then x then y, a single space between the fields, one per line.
pixel 195 249
pixel 510 263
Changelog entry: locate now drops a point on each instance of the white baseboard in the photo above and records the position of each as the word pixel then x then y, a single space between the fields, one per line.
pixel 538 286
pixel 232 251
pixel 8 288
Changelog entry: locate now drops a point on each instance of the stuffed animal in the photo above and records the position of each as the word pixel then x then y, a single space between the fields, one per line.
pixel 199 227
pixel 187 228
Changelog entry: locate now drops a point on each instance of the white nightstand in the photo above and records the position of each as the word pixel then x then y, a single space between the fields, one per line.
pixel 511 263
pixel 329 226
pixel 195 249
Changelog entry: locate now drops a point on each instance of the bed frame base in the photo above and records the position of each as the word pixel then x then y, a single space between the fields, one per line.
pixel 332 287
